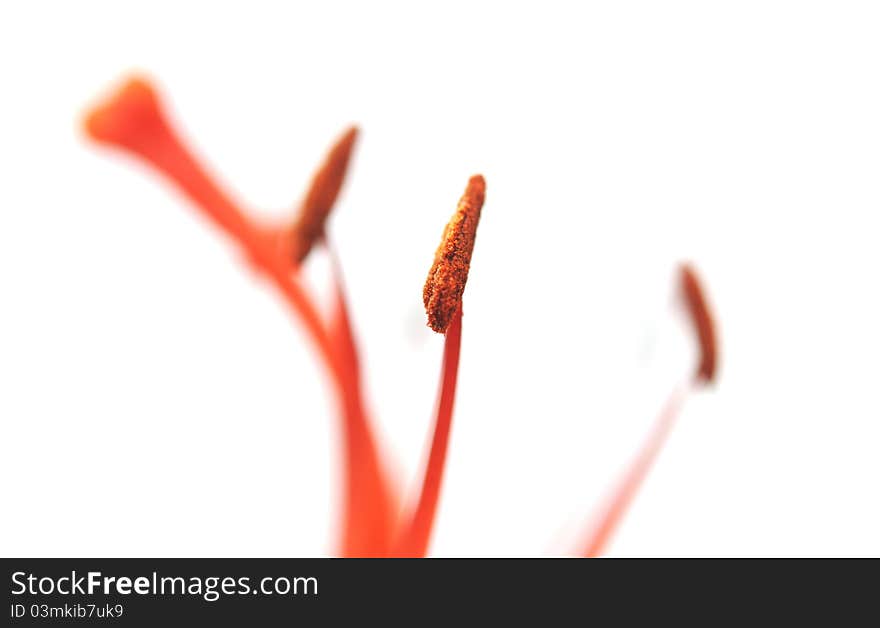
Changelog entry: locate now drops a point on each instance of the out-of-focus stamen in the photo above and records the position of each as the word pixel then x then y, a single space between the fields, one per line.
pixel 132 119
pixel 415 533
pixel 707 335
pixel 443 296
pixel 703 322
pixel 326 184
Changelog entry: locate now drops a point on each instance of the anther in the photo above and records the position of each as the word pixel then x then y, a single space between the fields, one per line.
pixel 703 322
pixel 325 187
pixel 448 276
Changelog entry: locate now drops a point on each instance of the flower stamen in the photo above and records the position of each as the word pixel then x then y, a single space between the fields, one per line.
pixel 707 335
pixel 703 322
pixel 308 228
pixel 449 272
pixel 443 296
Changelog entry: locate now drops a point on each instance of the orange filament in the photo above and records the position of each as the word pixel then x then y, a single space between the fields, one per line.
pixel 416 533
pixel 370 505
pixel 443 294
pixel 449 272
pixel 703 322
pixel 325 187
pixel 132 119
pixel 619 502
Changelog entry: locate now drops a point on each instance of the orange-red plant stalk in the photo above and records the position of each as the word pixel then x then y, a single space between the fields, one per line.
pixel 443 304
pixel 132 119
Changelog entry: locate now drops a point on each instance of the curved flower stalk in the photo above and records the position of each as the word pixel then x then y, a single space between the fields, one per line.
pixel 132 119
pixel 442 296
pixel 704 375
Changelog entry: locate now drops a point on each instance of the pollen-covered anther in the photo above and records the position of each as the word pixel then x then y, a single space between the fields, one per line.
pixel 326 184
pixel 703 322
pixel 448 275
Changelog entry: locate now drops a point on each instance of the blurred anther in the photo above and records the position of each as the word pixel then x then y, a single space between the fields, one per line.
pixel 703 322
pixel 326 184
pixel 607 522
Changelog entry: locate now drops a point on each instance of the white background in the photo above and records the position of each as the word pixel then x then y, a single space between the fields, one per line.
pixel 156 399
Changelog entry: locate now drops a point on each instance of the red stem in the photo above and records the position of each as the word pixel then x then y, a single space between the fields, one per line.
pixel 620 500
pixel 370 503
pixel 416 534
pixel 132 119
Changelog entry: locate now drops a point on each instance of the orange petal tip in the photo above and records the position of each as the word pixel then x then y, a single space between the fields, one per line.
pixel 126 114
